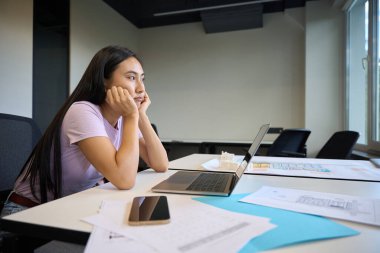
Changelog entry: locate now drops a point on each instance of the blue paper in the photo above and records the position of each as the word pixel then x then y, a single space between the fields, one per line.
pixel 292 227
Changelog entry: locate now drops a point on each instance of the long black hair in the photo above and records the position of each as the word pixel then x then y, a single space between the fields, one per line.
pixel 47 152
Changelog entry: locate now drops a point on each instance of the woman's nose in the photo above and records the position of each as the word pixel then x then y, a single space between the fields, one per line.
pixel 140 88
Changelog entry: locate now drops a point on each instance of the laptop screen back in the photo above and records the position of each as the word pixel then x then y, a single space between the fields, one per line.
pixel 252 150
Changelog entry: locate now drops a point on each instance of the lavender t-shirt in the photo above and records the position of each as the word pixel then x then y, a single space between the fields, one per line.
pixel 83 120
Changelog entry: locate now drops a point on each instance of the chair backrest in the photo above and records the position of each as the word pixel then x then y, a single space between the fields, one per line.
pixel 18 136
pixel 154 128
pixel 339 146
pixel 289 140
pixel 275 130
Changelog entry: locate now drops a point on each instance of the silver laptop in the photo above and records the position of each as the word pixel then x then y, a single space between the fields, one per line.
pixel 208 182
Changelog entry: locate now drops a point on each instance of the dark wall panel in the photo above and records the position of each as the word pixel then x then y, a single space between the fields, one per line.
pixel 50 59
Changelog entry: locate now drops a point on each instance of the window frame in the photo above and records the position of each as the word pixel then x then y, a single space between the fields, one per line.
pixel 372 146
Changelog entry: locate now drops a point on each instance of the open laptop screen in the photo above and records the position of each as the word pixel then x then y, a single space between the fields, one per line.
pixel 252 150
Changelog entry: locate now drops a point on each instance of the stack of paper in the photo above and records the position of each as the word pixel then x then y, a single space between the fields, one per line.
pixel 194 227
pixel 292 227
pixel 315 168
pixel 338 206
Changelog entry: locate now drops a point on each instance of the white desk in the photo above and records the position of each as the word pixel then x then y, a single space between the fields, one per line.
pixel 60 219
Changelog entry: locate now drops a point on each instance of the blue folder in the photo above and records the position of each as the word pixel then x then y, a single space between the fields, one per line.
pixel 292 227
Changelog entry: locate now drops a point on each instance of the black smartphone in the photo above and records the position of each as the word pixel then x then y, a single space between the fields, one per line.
pixel 149 210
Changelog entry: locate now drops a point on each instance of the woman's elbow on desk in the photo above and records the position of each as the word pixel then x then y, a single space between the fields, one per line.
pixel 161 167
pixel 125 186
pixel 124 183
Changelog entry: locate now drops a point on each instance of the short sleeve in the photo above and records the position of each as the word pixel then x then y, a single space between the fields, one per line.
pixel 139 134
pixel 83 120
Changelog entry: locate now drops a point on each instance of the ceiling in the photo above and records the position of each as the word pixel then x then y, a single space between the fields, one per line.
pixel 216 15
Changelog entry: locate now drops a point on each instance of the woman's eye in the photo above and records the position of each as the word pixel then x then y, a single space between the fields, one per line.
pixel 132 78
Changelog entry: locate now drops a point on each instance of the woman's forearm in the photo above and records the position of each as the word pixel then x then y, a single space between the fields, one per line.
pixel 156 156
pixel 127 157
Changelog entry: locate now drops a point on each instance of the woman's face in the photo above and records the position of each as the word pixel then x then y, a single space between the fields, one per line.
pixel 129 75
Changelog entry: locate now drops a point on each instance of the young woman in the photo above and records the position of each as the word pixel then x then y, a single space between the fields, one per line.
pixel 100 132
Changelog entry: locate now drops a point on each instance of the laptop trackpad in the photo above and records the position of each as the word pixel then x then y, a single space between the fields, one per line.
pixel 183 177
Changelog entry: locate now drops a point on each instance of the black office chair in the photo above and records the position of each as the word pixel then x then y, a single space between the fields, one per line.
pixel 275 130
pixel 339 146
pixel 290 143
pixel 18 137
pixel 155 128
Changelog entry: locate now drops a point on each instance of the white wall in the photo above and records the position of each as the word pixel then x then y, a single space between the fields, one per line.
pixel 94 25
pixel 16 52
pixel 324 72
pixel 202 85
pixel 223 86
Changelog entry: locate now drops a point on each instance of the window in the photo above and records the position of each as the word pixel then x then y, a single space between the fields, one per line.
pixel 363 73
pixel 376 87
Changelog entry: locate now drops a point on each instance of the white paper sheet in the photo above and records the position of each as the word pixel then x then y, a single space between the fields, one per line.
pixel 310 167
pixel 102 240
pixel 194 227
pixel 346 207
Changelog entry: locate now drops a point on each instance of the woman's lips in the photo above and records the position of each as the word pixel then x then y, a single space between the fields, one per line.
pixel 139 99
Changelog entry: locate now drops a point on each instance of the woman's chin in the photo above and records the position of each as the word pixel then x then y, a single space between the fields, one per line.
pixel 138 104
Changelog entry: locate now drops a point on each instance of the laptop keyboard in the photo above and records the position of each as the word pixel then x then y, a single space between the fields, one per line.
pixel 209 183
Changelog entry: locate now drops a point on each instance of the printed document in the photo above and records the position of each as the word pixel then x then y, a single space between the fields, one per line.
pixel 193 227
pixel 345 207
pixel 312 167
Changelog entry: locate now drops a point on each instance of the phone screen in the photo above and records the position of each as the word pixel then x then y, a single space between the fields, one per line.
pixel 149 210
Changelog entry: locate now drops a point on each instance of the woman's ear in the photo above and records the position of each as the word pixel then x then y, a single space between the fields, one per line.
pixel 106 84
